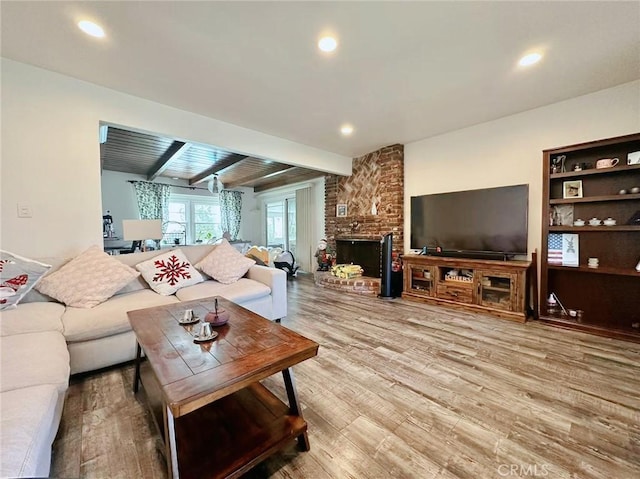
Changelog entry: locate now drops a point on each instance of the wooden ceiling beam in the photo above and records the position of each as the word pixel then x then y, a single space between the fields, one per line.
pixel 218 167
pixel 175 151
pixel 278 182
pixel 271 172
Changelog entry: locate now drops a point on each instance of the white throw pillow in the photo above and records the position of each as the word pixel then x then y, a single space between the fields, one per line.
pixel 225 263
pixel 88 279
pixel 17 276
pixel 169 272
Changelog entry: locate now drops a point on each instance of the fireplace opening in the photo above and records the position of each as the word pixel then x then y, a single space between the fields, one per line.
pixel 365 253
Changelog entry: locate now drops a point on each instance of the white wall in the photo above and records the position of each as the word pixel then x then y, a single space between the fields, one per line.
pixel 50 154
pixel 289 191
pixel 250 227
pixel 508 151
pixel 118 196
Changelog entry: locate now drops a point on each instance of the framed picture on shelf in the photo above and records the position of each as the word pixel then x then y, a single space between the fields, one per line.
pixel 341 210
pixel 563 249
pixel 562 215
pixel 633 158
pixel 572 189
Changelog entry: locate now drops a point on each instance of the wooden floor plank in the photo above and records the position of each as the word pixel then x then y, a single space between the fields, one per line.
pixel 402 389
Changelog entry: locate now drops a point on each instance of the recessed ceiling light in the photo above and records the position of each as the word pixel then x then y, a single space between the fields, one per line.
pixel 91 28
pixel 346 130
pixel 530 59
pixel 327 44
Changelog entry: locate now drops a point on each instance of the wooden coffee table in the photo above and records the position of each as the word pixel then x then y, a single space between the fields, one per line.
pixel 216 417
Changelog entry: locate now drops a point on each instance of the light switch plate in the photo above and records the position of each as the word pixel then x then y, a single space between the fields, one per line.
pixel 24 210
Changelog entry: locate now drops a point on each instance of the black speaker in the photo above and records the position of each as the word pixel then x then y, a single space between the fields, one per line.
pixel 386 285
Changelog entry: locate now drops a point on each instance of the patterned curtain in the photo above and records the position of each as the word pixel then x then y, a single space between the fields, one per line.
pixel 153 200
pixel 230 208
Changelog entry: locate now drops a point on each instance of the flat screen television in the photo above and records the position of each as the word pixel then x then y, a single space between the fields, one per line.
pixel 489 222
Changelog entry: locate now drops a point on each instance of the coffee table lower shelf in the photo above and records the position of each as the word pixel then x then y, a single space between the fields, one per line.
pixel 228 437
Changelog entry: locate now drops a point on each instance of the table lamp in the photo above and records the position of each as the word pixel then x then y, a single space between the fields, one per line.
pixel 142 230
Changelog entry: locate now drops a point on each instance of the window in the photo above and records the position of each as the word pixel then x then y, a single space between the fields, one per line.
pixel 281 224
pixel 207 221
pixel 198 218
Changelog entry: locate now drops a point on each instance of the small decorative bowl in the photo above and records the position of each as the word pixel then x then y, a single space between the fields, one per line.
pixel 217 319
pixel 578 223
pixel 609 222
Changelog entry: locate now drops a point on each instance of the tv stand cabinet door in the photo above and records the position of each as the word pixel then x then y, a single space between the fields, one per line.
pixel 498 290
pixel 420 279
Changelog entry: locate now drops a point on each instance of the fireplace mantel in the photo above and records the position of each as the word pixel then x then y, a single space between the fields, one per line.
pixel 355 238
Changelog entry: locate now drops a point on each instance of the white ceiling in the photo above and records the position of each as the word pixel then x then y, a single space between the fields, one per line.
pixel 403 71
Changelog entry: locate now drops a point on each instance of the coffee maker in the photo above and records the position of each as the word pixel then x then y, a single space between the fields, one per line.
pixel 107 225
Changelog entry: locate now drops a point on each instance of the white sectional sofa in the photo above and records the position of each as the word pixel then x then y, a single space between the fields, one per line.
pixel 35 375
pixel 43 342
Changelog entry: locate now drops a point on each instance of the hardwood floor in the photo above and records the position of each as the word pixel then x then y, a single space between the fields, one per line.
pixel 408 390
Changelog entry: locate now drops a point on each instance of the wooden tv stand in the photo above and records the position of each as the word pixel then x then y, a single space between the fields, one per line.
pixel 488 286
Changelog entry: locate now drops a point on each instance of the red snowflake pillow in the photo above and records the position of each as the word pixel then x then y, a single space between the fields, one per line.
pixel 17 276
pixel 169 272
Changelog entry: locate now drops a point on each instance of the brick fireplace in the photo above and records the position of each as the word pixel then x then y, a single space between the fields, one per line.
pixel 374 200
